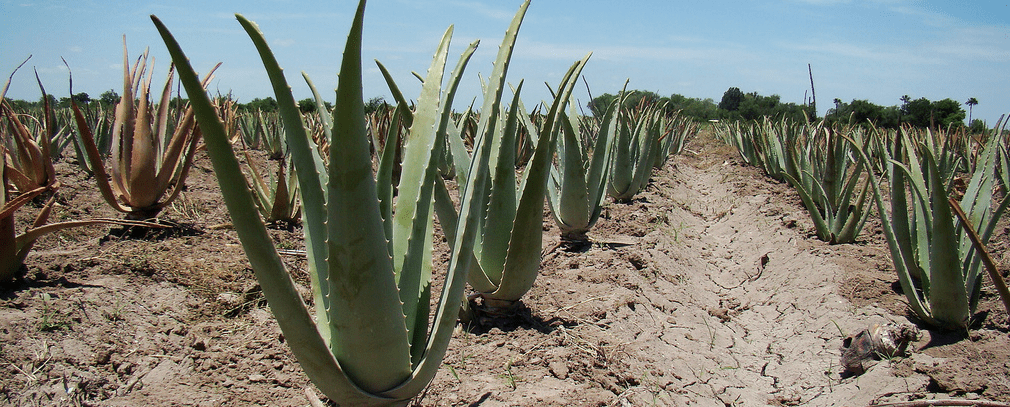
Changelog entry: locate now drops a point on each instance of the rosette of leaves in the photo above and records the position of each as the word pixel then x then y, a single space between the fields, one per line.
pixel 577 188
pixel 938 266
pixel 678 129
pixel 831 183
pixel 149 164
pixel 14 247
pixel 369 342
pixel 638 133
pixel 276 194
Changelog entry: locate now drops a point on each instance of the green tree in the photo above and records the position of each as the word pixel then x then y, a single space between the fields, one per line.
pixel 731 99
pixel 109 98
pixel 266 105
pixel 863 112
pixel 375 103
pixel 918 112
pixel 948 113
pixel 923 113
pixel 978 127
pixel 598 106
pixel 52 100
pixel 307 105
pixel 695 108
pixel 637 97
pixel 20 105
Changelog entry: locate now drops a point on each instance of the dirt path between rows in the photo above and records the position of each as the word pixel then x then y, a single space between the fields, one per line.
pixel 706 290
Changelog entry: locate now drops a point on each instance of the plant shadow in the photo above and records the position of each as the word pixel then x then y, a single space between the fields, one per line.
pixel 481 319
pixel 168 230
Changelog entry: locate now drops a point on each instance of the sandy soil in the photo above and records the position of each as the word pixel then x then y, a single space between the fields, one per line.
pixel 709 289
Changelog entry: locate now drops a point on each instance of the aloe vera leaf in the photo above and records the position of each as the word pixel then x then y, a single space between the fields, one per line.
pixel 408 116
pixel 892 232
pixel 921 225
pixel 280 196
pixel 523 260
pixel 855 219
pixel 643 164
pixel 292 316
pixel 327 121
pixel 310 176
pixel 97 164
pixel 500 217
pixel 495 86
pixel 369 329
pixel 384 175
pixel 977 199
pixel 487 127
pixel 460 157
pixel 143 157
pixel 948 299
pixel 621 171
pixel 294 319
pixel 899 215
pixel 574 198
pixel 465 235
pixel 168 150
pixel 418 314
pixel 602 153
pixel 820 224
pixel 411 222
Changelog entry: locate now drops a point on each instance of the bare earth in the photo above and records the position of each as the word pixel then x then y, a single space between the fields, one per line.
pixel 707 290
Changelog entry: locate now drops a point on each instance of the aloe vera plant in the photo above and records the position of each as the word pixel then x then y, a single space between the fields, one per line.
pixel 263 131
pixel 148 168
pixel 831 182
pixel 30 165
pixel 369 342
pixel 938 268
pixel 637 135
pixel 15 247
pixel 99 121
pixel 507 250
pixel 577 188
pixel 276 195
pixel 678 128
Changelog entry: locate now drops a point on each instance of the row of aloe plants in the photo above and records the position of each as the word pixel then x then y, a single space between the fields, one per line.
pixel 30 144
pixel 917 179
pixel 816 161
pixel 368 340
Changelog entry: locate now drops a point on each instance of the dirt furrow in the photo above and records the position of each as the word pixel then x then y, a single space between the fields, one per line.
pixel 762 300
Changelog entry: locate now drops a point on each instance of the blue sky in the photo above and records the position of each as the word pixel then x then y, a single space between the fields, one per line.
pixel 877 50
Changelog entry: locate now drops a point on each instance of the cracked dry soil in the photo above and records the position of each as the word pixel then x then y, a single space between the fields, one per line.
pixel 708 289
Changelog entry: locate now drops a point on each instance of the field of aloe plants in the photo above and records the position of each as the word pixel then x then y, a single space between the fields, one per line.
pixel 497 256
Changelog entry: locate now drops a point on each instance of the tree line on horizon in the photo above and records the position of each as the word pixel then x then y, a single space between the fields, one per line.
pixel 736 105
pixel 109 98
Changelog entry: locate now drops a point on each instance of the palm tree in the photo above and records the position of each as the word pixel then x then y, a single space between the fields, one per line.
pixel 971 103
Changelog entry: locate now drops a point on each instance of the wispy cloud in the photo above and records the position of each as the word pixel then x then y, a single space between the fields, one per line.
pixel 980 43
pixel 485 10
pixel 865 53
pixel 698 53
pixel 823 2
pixel 337 17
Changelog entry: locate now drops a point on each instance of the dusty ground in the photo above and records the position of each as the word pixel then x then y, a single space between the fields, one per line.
pixel 707 290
